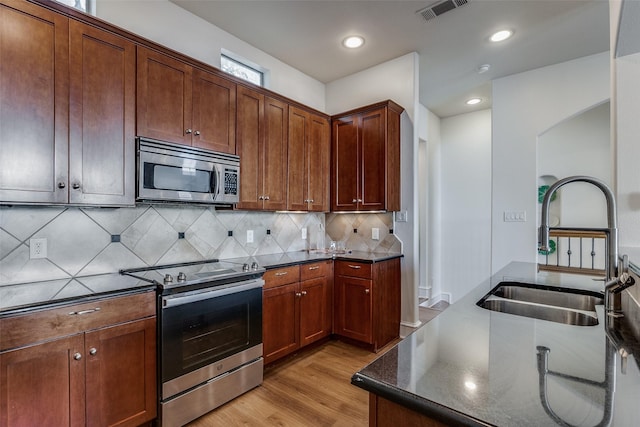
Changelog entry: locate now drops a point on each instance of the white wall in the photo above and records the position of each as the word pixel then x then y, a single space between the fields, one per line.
pixel 169 25
pixel 466 201
pixel 524 106
pixel 434 209
pixel 396 80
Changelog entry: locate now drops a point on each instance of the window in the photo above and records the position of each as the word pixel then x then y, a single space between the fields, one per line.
pixel 85 6
pixel 241 70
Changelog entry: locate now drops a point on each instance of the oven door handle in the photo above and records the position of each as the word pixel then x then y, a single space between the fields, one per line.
pixel 180 299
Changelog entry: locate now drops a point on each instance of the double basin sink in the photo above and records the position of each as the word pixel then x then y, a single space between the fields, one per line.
pixel 555 304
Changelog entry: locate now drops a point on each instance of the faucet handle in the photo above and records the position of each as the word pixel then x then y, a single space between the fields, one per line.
pixel 625 264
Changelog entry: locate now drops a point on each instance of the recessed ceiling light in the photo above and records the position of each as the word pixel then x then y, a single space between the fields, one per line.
pixel 353 42
pixel 501 35
pixel 483 68
pixel 474 101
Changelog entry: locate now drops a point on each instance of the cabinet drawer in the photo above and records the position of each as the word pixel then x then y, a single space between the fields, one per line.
pixel 281 276
pixel 24 329
pixel 316 269
pixel 353 269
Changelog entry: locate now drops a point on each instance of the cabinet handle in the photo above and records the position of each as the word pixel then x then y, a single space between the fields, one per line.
pixel 61 184
pixel 93 351
pixel 92 310
pixel 315 267
pixel 188 131
pixel 197 133
pixel 367 291
pixel 355 267
pixel 303 293
pixel 77 356
pixel 282 273
pixel 298 294
pixel 75 185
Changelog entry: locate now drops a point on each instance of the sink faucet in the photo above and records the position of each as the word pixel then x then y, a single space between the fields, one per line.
pixel 617 278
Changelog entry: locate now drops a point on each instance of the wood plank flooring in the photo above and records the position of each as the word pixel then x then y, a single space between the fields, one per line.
pixel 311 389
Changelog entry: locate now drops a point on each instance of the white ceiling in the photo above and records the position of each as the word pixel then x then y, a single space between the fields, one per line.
pixel 306 34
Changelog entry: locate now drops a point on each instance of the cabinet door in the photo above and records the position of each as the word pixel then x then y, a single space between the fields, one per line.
pixel 345 173
pixel 353 308
pixel 43 385
pixel 164 97
pixel 373 152
pixel 250 115
pixel 318 163
pixel 121 374
pixel 102 117
pixel 274 154
pixel 315 310
pixel 297 177
pixel 280 313
pixel 34 103
pixel 214 112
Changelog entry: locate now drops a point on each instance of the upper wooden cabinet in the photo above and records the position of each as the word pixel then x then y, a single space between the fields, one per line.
pixel 67 110
pixel 262 147
pixel 366 159
pixel 309 161
pixel 185 105
pixel 34 104
pixel 101 117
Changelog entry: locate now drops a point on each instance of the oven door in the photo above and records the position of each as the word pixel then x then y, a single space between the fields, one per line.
pixel 201 328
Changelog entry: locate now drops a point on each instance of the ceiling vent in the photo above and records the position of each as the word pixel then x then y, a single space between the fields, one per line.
pixel 440 7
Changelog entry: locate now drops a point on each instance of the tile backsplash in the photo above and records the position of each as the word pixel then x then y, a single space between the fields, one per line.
pixel 88 241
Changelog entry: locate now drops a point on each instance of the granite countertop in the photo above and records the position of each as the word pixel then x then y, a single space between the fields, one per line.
pixel 472 366
pixel 18 298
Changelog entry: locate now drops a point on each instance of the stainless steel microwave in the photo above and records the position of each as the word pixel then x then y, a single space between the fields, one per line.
pixel 179 173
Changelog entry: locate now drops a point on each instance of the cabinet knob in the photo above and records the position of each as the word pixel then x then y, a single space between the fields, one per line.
pixel 75 185
pixel 77 356
pixel 93 351
pixel 188 131
pixel 260 197
pixel 359 200
pixel 367 291
pixel 197 132
pixel 354 201
pixel 266 197
pixel 61 184
pixel 298 294
pixel 311 200
pixel 303 293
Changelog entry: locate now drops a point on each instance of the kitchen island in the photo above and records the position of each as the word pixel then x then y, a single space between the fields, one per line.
pixel 472 366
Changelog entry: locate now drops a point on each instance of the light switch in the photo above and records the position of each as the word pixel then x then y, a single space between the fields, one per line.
pixel 304 233
pixel 375 233
pixel 249 236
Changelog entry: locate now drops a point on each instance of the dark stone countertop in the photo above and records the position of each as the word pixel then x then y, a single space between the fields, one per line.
pixel 472 366
pixel 23 297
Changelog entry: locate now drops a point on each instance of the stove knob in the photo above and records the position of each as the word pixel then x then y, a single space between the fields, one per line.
pixel 168 279
pixel 245 267
pixel 254 266
pixel 182 277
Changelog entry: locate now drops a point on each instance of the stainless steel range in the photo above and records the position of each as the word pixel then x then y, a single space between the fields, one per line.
pixel 209 334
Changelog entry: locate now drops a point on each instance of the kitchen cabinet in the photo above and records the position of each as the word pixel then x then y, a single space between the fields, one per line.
pixel 309 162
pixel 297 308
pixel 262 146
pixel 366 159
pixel 66 125
pixel 367 301
pixel 86 364
pixel 179 103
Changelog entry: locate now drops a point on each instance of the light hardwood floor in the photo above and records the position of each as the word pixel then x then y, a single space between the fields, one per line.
pixel 311 389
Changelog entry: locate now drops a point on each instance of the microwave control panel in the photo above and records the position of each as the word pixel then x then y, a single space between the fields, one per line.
pixel 231 181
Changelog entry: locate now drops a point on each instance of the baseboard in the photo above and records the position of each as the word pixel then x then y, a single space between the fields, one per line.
pixel 444 296
pixel 411 324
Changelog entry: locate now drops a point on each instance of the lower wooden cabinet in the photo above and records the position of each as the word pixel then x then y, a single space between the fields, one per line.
pixel 367 301
pixel 91 364
pixel 297 308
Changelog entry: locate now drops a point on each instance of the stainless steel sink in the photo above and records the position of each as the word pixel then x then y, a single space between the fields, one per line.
pixel 561 305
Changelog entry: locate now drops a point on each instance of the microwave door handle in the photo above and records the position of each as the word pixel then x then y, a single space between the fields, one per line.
pixel 215 182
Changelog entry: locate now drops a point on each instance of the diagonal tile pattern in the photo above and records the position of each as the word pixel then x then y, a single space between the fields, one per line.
pixel 79 239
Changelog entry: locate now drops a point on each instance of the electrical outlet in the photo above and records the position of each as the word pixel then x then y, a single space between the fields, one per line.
pixel 37 248
pixel 304 233
pixel 375 233
pixel 401 216
pixel 249 236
